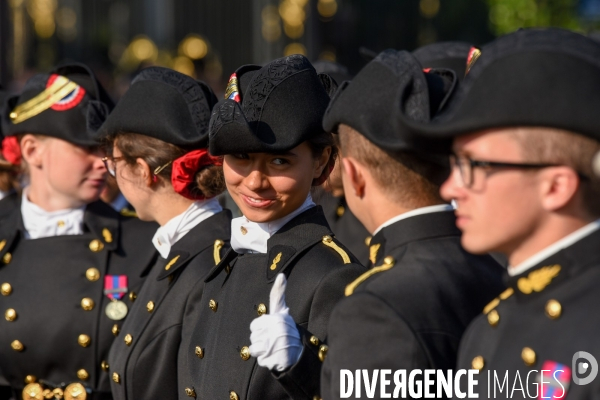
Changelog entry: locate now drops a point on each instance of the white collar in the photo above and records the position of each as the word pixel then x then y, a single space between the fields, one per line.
pixel 177 227
pixel 413 213
pixel 4 193
pixel 119 203
pixel 252 237
pixel 40 223
pixel 554 248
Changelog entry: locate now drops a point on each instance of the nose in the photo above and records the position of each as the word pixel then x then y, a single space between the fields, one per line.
pixel 452 188
pixel 256 181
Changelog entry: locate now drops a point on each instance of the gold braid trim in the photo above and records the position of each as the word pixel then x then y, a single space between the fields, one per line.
pixel 43 101
pixel 387 264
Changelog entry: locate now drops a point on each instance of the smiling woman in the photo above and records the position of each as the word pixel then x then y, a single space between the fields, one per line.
pixel 283 251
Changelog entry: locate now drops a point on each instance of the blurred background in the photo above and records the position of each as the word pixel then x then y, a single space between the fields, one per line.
pixel 209 39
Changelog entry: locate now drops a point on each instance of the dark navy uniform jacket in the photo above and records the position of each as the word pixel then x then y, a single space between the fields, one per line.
pixel 547 315
pixel 150 353
pixel 55 331
pixel 410 311
pixel 317 267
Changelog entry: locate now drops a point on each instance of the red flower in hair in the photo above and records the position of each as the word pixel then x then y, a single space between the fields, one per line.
pixel 185 168
pixel 11 151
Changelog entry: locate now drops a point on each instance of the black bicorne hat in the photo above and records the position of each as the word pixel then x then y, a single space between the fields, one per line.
pixel 390 86
pixel 530 78
pixel 166 105
pixel 270 109
pixel 68 103
pixel 451 55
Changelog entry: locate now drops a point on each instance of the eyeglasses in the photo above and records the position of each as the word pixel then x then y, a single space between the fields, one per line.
pixel 111 164
pixel 466 166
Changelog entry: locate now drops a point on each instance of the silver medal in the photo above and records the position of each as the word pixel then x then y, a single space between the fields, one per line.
pixel 116 310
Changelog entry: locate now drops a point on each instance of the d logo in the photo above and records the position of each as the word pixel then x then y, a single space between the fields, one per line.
pixel 583 367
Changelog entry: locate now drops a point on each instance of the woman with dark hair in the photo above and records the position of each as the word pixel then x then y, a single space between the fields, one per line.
pixel 248 344
pixel 158 134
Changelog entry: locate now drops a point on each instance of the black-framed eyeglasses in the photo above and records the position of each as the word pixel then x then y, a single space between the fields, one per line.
pixel 466 165
pixel 111 164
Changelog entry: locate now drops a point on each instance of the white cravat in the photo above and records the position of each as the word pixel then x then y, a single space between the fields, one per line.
pixel 40 223
pixel 415 212
pixel 168 234
pixel 554 248
pixel 251 237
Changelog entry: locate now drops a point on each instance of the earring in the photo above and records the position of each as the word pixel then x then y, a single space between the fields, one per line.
pixel 154 178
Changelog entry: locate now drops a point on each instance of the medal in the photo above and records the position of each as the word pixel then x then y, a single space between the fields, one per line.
pixel 115 287
pixel 116 310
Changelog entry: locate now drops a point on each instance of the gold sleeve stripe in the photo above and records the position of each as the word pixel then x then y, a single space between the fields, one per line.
pixel 352 287
pixel 43 101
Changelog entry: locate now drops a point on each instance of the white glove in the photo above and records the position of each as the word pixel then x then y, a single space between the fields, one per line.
pixel 275 340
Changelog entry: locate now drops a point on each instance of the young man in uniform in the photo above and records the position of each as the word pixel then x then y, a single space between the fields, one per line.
pixel 411 309
pixel 526 140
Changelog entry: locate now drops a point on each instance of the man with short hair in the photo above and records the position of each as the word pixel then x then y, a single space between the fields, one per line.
pixel 410 310
pixel 526 140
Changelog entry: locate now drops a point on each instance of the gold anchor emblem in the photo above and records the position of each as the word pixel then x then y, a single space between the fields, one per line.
pixel 373 252
pixel 107 235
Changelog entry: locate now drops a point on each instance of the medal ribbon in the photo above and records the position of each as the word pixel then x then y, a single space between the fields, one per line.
pixel 115 286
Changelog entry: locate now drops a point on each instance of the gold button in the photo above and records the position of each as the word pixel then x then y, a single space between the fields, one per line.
pixel 316 398
pixel 61 224
pixel 132 296
pixel 323 352
pixel 327 239
pixel 478 363
pixel 243 230
pixel 199 352
pixel 368 240
pixel 96 245
pixel 553 309
pixel 128 339
pixel 261 309
pixel 84 340
pixel 10 315
pixel 528 356
pixel 190 392
pixel 74 391
pixel 340 211
pixel 87 304
pixel 6 289
pixel 493 318
pixel 245 353
pixel 30 379
pixel 116 378
pixel 7 258
pixel 33 391
pixel 389 260
pixel 104 365
pixel 57 393
pixel 213 305
pixel 115 329
pixel 92 274
pixel 17 346
pixel 150 306
pixel 233 396
pixel 82 374
pixel 314 340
